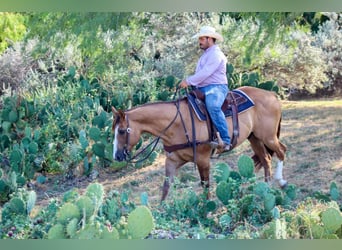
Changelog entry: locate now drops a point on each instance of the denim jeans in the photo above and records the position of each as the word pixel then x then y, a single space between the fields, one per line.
pixel 215 95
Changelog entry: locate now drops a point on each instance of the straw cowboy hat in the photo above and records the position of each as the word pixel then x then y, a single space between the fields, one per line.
pixel 210 32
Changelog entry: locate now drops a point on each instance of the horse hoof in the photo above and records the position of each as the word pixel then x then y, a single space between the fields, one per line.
pixel 283 184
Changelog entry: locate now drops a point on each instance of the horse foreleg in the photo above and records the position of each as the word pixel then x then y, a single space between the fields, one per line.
pixel 204 171
pixel 170 172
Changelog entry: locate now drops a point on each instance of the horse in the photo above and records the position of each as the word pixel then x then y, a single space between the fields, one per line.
pixel 171 122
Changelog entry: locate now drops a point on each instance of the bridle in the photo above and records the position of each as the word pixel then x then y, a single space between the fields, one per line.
pixel 154 142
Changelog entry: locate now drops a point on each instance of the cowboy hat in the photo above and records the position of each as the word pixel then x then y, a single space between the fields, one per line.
pixel 210 32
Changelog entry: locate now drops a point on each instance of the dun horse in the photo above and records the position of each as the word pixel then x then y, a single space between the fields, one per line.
pixel 169 121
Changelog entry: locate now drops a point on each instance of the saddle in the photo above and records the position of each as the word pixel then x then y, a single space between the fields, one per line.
pixel 235 103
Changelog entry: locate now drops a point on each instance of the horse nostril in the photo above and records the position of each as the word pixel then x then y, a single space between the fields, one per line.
pixel 120 156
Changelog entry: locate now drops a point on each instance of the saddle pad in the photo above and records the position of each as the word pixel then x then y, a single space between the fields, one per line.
pixel 243 101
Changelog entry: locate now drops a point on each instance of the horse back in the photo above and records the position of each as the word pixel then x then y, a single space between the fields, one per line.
pixel 263 98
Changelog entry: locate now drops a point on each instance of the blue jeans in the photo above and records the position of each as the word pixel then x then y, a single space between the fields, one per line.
pixel 215 95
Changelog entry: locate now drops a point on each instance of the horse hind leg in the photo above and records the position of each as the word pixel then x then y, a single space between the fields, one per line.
pixel 261 157
pixel 276 146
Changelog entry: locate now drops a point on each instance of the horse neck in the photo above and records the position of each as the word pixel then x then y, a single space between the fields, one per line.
pixel 153 118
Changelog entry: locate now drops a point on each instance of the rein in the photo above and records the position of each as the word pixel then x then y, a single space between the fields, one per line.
pixel 171 148
pixel 156 140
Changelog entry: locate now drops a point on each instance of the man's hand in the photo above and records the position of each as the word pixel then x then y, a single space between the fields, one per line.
pixel 183 84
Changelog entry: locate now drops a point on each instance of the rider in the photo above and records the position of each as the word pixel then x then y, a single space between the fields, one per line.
pixel 211 79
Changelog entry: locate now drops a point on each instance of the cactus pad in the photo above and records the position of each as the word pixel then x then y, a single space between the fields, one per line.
pixel 221 172
pixel 56 232
pixel 246 166
pixel 68 212
pixel 332 220
pixel 140 222
pixel 224 192
pixel 86 206
pixel 95 192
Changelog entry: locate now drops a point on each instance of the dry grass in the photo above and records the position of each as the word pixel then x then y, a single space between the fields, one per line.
pixel 312 131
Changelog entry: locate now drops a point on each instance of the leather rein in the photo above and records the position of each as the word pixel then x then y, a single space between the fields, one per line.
pixel 171 148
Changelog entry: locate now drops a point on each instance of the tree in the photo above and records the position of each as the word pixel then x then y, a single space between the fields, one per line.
pixel 12 29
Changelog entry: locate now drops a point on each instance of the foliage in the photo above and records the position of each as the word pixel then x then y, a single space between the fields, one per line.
pixel 75 217
pixel 253 210
pixel 62 128
pixel 329 38
pixel 12 29
pixel 285 55
pixel 58 85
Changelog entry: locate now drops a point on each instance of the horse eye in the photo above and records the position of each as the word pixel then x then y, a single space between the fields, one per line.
pixel 121 131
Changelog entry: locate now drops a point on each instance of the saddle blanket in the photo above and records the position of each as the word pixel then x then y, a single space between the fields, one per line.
pixel 243 101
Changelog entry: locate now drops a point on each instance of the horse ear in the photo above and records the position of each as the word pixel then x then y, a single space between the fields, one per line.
pixel 118 113
pixel 115 112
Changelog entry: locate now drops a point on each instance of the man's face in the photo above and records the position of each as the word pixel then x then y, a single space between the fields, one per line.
pixel 204 42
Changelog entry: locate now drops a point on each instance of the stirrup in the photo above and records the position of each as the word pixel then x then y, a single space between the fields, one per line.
pixel 214 144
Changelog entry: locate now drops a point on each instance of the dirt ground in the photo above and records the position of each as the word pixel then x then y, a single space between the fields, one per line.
pixel 312 131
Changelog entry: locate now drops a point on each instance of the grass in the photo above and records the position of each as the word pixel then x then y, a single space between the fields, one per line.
pixel 312 131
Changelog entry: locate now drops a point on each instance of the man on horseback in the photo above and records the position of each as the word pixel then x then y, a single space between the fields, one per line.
pixel 211 79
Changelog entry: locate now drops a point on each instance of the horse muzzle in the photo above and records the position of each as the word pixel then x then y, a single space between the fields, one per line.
pixel 121 155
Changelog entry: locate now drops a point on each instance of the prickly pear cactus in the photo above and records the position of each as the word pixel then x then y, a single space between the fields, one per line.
pixel 291 191
pixel 83 139
pixel 221 172
pixel 90 231
pixel 17 206
pixel 95 133
pixel 31 201
pixel 261 189
pixel 224 192
pixel 269 201
pixel 56 232
pixel 246 166
pixel 95 192
pixel 334 193
pixel 16 157
pixel 276 229
pixel 86 206
pixel 99 149
pixel 332 220
pixel 110 234
pixel 140 223
pixel 68 212
pixel 13 116
pixel 33 147
pixel 72 227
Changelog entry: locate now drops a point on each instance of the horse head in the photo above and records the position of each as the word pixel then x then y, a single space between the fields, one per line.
pixel 123 135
